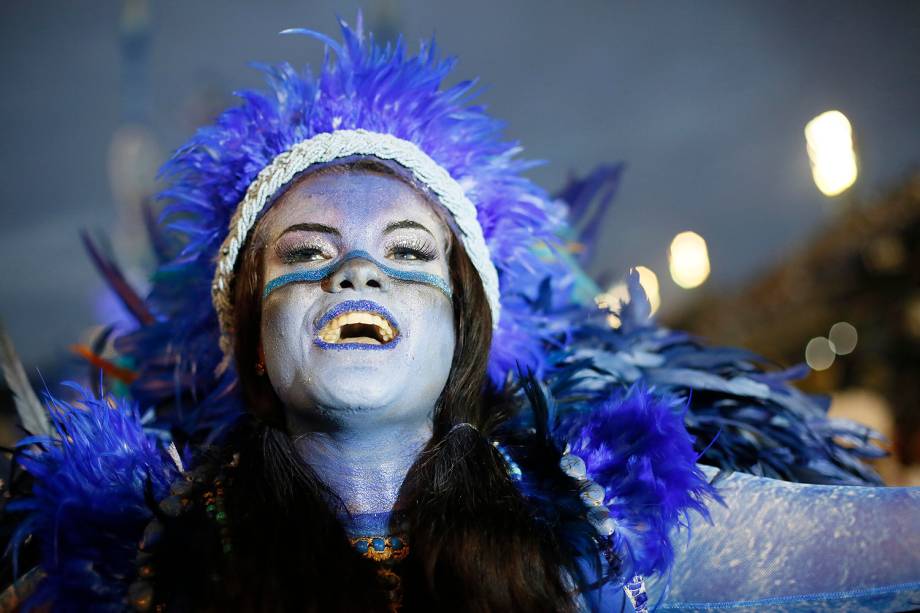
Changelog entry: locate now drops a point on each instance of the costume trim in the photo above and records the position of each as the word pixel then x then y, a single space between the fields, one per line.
pixel 328 147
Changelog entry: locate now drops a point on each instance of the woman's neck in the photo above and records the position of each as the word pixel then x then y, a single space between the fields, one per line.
pixel 365 467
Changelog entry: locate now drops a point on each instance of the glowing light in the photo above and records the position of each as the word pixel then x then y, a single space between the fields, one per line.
pixel 819 353
pixel 829 140
pixel 843 337
pixel 688 260
pixel 649 282
pixel 611 300
pixel 618 294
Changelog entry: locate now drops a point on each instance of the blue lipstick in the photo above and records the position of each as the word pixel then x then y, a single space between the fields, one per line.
pixel 354 306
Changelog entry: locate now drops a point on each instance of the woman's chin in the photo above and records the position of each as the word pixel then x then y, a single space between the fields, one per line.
pixel 358 391
pixel 365 399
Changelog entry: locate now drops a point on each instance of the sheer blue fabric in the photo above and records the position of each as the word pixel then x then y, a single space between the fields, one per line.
pixel 779 546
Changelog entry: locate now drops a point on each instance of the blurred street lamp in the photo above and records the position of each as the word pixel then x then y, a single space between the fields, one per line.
pixel 688 259
pixel 829 141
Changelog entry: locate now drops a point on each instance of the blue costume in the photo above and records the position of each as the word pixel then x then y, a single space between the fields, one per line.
pixel 681 455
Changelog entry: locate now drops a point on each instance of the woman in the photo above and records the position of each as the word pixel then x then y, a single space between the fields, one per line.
pixel 371 342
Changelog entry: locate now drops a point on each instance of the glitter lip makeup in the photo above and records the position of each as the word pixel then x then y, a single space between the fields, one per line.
pixel 357 325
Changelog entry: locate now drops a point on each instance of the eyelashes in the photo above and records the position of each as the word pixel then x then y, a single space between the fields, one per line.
pixel 293 253
pixel 411 249
pixel 402 250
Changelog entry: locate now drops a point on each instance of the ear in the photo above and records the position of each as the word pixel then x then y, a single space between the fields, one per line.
pixel 260 362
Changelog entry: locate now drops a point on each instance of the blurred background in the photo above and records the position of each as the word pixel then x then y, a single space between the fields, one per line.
pixel 769 189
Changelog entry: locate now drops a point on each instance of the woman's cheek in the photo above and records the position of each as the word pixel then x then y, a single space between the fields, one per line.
pixel 284 339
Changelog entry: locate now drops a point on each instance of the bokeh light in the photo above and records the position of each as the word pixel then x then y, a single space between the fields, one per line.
pixel 649 281
pixel 829 140
pixel 819 353
pixel 688 259
pixel 843 337
pixel 618 294
pixel 611 300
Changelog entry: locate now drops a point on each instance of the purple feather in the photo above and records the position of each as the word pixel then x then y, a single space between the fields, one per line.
pixel 589 200
pixel 88 508
pixel 115 278
pixel 636 446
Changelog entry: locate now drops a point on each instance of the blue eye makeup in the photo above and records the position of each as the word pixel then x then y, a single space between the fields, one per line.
pixel 320 274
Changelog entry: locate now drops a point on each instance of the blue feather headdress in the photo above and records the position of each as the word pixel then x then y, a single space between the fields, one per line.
pixel 361 85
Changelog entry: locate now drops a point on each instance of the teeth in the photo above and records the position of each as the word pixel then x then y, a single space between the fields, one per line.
pixel 332 331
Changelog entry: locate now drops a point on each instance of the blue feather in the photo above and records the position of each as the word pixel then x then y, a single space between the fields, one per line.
pixel 636 446
pixel 756 420
pixel 88 508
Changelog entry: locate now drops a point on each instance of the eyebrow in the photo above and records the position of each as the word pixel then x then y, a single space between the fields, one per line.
pixel 405 223
pixel 311 227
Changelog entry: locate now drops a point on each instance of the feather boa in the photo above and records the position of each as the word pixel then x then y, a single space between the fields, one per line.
pixel 636 446
pixel 90 500
pixel 744 418
pixel 95 482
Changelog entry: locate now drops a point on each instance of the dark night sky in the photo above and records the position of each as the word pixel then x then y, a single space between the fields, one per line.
pixel 705 102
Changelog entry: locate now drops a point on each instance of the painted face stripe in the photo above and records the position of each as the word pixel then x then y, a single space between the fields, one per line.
pixel 320 274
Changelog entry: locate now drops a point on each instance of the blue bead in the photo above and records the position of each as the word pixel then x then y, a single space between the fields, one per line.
pixel 378 543
pixel 396 543
pixel 361 546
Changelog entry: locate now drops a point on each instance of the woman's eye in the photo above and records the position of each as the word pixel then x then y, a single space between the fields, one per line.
pixel 304 254
pixel 411 250
pixel 404 253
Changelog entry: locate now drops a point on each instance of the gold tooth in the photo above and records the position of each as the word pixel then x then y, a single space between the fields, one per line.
pixel 383 324
pixel 331 332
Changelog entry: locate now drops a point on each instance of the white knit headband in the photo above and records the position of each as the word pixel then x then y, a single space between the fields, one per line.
pixel 327 147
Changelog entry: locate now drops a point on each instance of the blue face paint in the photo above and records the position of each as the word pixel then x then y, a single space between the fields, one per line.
pixel 359 418
pixel 324 272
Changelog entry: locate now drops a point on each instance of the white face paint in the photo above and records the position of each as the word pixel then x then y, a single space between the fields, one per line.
pixel 360 348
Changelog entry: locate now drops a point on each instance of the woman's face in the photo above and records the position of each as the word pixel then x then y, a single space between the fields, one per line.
pixel 357 327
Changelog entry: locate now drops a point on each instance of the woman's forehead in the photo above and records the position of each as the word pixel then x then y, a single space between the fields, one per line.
pixel 351 198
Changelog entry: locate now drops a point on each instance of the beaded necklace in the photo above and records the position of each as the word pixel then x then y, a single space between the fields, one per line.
pixel 381 538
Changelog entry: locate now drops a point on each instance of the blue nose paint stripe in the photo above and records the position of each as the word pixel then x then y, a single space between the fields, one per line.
pixel 320 274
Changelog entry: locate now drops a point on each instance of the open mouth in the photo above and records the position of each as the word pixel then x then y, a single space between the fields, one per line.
pixel 357 324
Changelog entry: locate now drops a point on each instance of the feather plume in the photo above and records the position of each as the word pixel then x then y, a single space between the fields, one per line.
pixel 116 281
pixel 88 507
pixel 588 200
pixel 742 416
pixel 553 496
pixel 32 414
pixel 636 446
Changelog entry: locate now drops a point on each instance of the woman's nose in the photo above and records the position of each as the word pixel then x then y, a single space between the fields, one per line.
pixel 358 274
